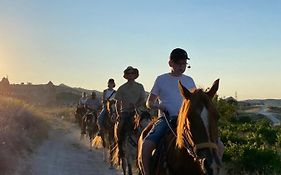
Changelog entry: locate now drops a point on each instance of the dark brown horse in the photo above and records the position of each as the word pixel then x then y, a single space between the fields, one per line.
pixel 89 126
pixel 79 113
pixel 140 121
pixel 107 136
pixel 192 148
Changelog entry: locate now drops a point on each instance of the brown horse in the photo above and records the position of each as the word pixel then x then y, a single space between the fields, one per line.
pixel 192 147
pixel 89 126
pixel 140 121
pixel 107 136
pixel 79 113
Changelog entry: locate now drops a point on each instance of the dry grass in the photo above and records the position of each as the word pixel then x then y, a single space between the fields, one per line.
pixel 22 127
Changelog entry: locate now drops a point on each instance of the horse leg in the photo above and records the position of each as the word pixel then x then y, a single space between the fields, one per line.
pixel 111 146
pixel 83 125
pixel 90 146
pixel 124 166
pixel 104 155
pixel 130 172
pixel 90 134
pixel 82 136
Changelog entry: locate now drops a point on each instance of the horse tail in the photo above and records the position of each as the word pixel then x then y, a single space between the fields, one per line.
pixel 97 142
pixel 115 155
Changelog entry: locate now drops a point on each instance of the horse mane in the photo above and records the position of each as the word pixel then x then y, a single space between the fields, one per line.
pixel 182 122
pixel 184 115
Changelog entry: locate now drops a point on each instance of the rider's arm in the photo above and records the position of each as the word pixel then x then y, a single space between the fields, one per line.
pixel 152 102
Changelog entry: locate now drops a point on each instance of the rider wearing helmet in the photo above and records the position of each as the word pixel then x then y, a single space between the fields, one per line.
pixel 166 97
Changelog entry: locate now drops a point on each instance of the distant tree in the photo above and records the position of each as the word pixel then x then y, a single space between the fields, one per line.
pixel 227 110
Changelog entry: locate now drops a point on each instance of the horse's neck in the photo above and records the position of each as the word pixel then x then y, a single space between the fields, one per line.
pixel 178 160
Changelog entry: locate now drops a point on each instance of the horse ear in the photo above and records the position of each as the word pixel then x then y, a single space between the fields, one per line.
pixel 211 93
pixel 184 92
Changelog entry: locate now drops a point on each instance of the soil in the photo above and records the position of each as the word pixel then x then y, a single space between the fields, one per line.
pixel 63 153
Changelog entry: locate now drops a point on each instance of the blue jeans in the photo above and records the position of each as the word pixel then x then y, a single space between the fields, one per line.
pixel 159 129
pixel 101 117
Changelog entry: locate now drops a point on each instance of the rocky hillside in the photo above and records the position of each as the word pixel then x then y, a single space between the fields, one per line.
pixel 66 95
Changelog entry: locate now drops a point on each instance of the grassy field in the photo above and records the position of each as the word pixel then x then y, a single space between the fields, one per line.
pixel 22 128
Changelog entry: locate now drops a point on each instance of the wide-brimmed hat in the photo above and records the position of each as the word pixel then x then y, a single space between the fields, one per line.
pixel 133 70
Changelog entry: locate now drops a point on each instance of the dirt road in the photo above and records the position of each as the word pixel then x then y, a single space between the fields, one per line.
pixel 65 154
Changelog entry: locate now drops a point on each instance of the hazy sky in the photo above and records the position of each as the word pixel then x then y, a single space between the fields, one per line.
pixel 84 43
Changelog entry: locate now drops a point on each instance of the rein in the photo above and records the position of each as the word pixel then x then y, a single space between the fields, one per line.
pixel 187 147
pixel 192 148
pixel 196 147
pixel 205 145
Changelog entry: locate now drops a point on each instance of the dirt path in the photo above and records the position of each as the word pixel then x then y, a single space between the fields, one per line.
pixel 64 154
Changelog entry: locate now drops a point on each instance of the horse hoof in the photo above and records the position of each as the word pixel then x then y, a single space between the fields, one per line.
pixel 111 167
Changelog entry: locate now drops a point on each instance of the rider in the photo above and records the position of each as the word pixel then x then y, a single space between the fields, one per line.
pixel 92 105
pixel 82 100
pixel 108 94
pixel 80 106
pixel 129 96
pixel 166 97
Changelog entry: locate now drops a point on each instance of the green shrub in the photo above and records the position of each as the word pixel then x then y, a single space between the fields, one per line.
pixel 261 160
pixel 251 146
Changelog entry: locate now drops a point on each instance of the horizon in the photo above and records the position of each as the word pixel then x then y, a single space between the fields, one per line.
pixel 83 44
pixel 62 84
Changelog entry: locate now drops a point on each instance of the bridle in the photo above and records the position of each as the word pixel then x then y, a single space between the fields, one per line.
pixel 189 145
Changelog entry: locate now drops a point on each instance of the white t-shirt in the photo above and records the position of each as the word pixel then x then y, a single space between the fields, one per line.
pixel 82 101
pixel 167 90
pixel 108 93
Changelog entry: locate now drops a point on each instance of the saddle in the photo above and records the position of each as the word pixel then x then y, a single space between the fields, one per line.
pixel 159 156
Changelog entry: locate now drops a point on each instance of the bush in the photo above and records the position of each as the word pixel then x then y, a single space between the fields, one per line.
pixel 251 146
pixel 21 128
pixel 263 160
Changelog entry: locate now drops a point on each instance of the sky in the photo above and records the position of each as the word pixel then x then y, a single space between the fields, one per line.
pixel 84 43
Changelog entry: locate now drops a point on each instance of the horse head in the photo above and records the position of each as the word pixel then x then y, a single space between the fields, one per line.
pixel 141 120
pixel 197 128
pixel 111 109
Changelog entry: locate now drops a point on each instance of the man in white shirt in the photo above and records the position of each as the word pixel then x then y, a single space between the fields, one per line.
pixel 166 97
